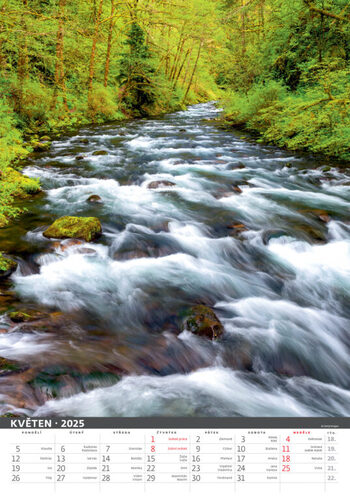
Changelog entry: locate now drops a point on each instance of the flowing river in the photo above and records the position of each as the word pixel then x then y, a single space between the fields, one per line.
pixel 260 235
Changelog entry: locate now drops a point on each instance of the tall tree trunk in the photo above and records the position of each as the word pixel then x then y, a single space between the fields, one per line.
pixel 109 43
pixel 194 70
pixel 22 65
pixel 2 39
pixel 93 53
pixel 243 21
pixel 59 67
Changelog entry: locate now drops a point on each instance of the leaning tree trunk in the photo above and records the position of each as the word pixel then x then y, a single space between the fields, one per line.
pixel 194 70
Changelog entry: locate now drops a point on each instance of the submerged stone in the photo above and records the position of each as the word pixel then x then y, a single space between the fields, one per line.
pixel 85 228
pixel 201 320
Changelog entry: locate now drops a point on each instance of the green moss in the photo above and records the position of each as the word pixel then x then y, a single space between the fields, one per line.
pixel 86 228
pixel 19 316
pixel 40 146
pixel 6 264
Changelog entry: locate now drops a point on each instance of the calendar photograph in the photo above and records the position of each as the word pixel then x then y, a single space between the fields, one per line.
pixel 174 209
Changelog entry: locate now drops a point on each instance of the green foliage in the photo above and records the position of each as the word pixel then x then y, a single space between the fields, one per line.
pixel 103 104
pixel 136 72
pixel 290 78
pixel 310 119
pixel 6 264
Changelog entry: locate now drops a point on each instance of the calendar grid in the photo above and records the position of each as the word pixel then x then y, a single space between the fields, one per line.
pixel 226 457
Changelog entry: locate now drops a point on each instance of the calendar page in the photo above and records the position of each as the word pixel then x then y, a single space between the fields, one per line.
pixel 266 457
pixel 174 249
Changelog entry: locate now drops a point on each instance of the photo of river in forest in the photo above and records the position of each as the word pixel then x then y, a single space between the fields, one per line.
pixel 174 208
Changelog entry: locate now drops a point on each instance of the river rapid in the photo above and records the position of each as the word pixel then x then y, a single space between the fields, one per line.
pixel 259 234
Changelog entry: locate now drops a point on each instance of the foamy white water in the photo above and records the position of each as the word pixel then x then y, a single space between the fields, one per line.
pixel 280 284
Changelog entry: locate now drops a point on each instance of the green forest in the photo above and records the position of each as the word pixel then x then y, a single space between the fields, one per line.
pixel 280 69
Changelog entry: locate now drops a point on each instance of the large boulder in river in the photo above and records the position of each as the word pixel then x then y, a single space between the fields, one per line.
pixel 7 266
pixel 201 320
pixel 85 228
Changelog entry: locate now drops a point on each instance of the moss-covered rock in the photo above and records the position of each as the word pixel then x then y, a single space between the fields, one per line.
pixel 23 185
pixel 85 228
pixel 38 147
pixel 7 266
pixel 26 316
pixel 100 153
pixel 201 320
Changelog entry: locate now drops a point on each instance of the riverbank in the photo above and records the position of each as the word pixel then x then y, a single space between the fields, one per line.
pixel 304 121
pixel 17 145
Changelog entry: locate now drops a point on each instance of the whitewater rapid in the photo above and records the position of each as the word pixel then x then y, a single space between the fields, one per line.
pixel 281 287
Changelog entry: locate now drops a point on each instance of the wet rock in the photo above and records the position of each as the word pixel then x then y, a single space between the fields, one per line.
pixel 25 316
pixel 85 228
pixel 7 266
pixel 324 218
pixel 87 251
pixel 237 228
pixel 202 321
pixel 132 254
pixel 236 188
pixel 100 153
pixel 84 140
pixel 320 214
pixel 94 198
pixel 57 245
pixel 80 157
pixel 238 165
pixel 272 234
pixel 313 234
pixel 182 130
pixel 160 184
